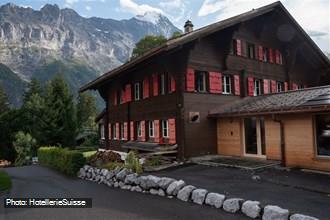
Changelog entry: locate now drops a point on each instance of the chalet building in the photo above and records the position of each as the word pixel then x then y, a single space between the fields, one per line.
pixel 222 89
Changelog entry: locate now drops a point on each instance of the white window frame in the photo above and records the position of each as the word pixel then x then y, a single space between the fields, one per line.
pixel 165 129
pixel 139 128
pixel 257 87
pixel 102 131
pixel 279 86
pixel 265 52
pixel 114 132
pixel 137 92
pixel 151 128
pixel 226 84
pixel 162 84
pixel 203 82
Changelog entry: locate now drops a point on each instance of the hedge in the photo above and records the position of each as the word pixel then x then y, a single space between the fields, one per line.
pixel 66 161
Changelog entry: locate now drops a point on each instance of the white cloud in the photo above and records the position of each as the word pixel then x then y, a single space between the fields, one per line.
pixel 174 4
pixel 211 6
pixel 136 9
pixel 88 8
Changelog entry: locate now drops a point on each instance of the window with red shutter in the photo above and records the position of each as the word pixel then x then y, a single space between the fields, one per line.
pixel 215 82
pixel 117 130
pixel 271 56
pixel 238 47
pixel 237 86
pixel 110 134
pixel 273 86
pixel 125 131
pixel 250 86
pixel 266 86
pixel 294 86
pixel 156 131
pixel 260 53
pixel 132 131
pixel 128 93
pixel 146 89
pixel 172 133
pixel 172 83
pixel 190 80
pixel 277 56
pixel 286 86
pixel 155 84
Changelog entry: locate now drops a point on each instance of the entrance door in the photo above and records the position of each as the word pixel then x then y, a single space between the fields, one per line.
pixel 254 133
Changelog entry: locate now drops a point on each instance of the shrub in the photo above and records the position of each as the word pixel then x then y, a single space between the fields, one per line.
pixel 104 157
pixel 132 162
pixel 113 165
pixel 63 160
pixel 24 145
pixel 153 161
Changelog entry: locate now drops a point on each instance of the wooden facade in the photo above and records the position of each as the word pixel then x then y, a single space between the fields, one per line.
pixel 259 52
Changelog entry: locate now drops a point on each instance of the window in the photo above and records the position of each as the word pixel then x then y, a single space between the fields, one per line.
pixel 280 58
pixel 226 84
pixel 122 136
pixel 279 86
pixel 323 134
pixel 257 87
pixel 234 47
pixel 200 80
pixel 137 91
pixel 301 86
pixel 114 133
pixel 163 84
pixel 251 51
pixel 139 129
pixel 165 128
pixel 151 128
pixel 102 131
pixel 265 54
pixel 121 96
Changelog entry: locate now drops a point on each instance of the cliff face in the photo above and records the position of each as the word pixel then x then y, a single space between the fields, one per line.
pixel 30 38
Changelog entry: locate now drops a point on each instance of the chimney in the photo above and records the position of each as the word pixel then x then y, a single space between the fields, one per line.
pixel 188 27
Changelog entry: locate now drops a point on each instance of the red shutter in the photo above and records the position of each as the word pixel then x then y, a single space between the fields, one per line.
pixel 146 89
pixel 238 47
pixel 266 86
pixel 250 86
pixel 273 86
pixel 172 135
pixel 271 56
pixel 215 82
pixel 277 56
pixel 173 84
pixel 128 93
pixel 190 80
pixel 110 133
pixel 156 131
pixel 237 85
pixel 143 131
pixel 132 131
pixel 260 53
pixel 294 86
pixel 117 130
pixel 155 84
pixel 286 86
pixel 115 98
pixel 123 96
pixel 125 131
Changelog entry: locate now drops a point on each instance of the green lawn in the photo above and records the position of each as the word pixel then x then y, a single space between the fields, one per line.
pixel 89 153
pixel 5 181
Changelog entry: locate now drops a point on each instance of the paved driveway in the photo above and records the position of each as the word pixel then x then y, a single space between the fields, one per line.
pixel 300 192
pixel 108 203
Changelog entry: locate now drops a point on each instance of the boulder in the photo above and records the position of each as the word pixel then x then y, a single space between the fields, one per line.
pixel 104 172
pixel 110 175
pixel 132 179
pixel 148 182
pixel 251 209
pixel 138 189
pixel 97 177
pixel 121 175
pixel 232 205
pixel 165 182
pixel 161 192
pixel 174 187
pixel 116 184
pixel 301 217
pixel 153 191
pixel 185 193
pixel 198 196
pixel 272 212
pixel 86 167
pixel 215 199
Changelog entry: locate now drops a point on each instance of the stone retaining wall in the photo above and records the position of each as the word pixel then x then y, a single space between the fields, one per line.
pixel 169 187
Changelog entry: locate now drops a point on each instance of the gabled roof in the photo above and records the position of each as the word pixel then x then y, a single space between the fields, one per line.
pixel 311 99
pixel 200 33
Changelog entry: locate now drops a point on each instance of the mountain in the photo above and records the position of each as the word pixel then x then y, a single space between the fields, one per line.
pixel 31 40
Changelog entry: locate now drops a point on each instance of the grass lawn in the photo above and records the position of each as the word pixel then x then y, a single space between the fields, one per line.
pixel 5 181
pixel 89 153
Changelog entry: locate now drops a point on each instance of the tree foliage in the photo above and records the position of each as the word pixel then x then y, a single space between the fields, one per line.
pixel 4 105
pixel 25 146
pixel 86 111
pixel 147 43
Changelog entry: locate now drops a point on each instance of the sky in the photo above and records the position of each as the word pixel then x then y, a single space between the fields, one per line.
pixel 312 15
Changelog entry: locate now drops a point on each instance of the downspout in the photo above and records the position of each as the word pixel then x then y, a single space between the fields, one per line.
pixel 283 156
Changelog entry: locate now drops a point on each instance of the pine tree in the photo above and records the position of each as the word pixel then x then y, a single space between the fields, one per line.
pixel 86 111
pixel 4 104
pixel 59 118
pixel 32 88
